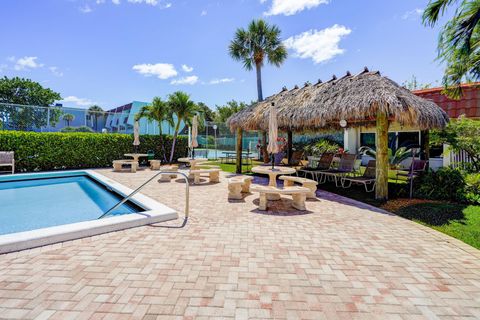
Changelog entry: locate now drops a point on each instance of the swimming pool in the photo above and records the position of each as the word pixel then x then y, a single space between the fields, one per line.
pixel 41 208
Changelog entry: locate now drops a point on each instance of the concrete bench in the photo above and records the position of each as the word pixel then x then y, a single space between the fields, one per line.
pixel 167 177
pixel 289 181
pixel 237 186
pixel 299 195
pixel 118 165
pixel 155 164
pixel 213 174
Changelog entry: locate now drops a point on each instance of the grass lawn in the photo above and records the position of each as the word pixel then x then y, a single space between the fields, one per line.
pixel 457 220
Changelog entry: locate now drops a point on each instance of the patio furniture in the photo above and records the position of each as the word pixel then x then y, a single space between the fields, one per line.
pixel 345 166
pixel 238 185
pixel 299 195
pixel 416 168
pixel 136 156
pixel 295 159
pixel 168 176
pixel 118 165
pixel 289 181
pixel 193 163
pixel 367 178
pixel 278 158
pixel 272 174
pixel 213 175
pixel 7 159
pixel 323 164
pixel 155 164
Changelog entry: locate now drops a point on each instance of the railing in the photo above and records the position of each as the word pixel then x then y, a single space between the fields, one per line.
pixel 126 198
pixel 459 159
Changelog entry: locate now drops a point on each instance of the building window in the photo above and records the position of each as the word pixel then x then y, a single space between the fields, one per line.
pixel 368 140
pixel 409 139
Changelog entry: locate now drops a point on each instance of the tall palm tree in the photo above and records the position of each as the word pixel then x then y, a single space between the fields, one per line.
pixel 95 112
pixel 68 117
pixel 158 111
pixel 459 42
pixel 259 43
pixel 184 110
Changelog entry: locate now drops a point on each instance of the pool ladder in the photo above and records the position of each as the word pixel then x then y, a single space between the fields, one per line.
pixel 134 192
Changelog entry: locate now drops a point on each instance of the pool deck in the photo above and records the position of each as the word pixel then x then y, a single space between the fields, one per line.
pixel 338 260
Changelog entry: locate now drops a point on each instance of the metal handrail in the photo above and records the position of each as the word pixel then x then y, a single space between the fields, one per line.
pixel 125 199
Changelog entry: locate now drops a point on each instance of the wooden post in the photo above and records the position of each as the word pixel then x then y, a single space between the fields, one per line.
pixel 239 150
pixel 264 143
pixel 425 145
pixel 381 142
pixel 289 145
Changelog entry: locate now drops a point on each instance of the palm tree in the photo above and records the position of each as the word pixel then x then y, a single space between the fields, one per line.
pixel 95 111
pixel 158 111
pixel 68 117
pixel 258 43
pixel 184 109
pixel 459 42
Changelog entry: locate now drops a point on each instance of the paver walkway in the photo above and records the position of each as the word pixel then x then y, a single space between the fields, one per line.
pixel 337 261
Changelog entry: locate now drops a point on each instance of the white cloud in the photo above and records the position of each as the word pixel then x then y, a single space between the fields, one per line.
pixel 56 72
pixel 167 5
pixel 204 13
pixel 223 80
pixel 319 45
pixel 100 1
pixel 26 63
pixel 116 1
pixel 85 9
pixel 412 14
pixel 161 70
pixel 186 68
pixel 150 2
pixel 185 80
pixel 291 7
pixel 82 102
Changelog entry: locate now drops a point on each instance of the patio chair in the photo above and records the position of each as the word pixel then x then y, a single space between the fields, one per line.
pixel 345 167
pixel 7 159
pixel 323 164
pixel 295 159
pixel 416 168
pixel 367 178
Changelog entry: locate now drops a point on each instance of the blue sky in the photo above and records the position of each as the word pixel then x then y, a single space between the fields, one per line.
pixel 112 52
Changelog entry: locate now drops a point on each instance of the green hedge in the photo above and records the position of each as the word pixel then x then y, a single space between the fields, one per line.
pixel 53 151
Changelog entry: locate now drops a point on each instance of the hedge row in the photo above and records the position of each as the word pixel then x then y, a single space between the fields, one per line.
pixel 53 151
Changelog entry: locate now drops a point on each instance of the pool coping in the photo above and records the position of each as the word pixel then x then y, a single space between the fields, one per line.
pixel 154 212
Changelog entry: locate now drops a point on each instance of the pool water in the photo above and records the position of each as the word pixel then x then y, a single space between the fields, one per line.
pixel 39 203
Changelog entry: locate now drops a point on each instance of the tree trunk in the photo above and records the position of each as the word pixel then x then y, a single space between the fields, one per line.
pixel 259 82
pixel 289 146
pixel 175 134
pixel 239 150
pixel 162 145
pixel 381 190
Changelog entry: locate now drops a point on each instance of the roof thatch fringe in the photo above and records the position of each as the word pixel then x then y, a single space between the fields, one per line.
pixel 354 98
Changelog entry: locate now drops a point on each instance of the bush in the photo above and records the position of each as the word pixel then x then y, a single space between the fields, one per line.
pixel 322 146
pixel 77 129
pixel 444 184
pixel 36 151
pixel 472 188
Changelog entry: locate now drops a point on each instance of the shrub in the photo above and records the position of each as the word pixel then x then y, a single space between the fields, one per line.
pixel 444 184
pixel 77 129
pixel 322 146
pixel 36 151
pixel 472 188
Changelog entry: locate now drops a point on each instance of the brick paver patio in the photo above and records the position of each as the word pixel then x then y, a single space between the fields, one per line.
pixel 336 261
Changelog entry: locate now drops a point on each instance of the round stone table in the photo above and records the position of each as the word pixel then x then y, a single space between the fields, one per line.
pixel 272 174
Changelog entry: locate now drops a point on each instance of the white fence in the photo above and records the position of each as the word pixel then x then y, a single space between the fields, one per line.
pixel 455 159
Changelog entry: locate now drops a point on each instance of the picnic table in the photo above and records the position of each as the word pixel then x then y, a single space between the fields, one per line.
pixel 136 156
pixel 193 162
pixel 272 174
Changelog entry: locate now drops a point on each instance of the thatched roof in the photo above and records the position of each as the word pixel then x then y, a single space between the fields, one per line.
pixel 354 98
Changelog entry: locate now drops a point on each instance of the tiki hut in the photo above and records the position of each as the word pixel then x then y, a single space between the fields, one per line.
pixel 366 99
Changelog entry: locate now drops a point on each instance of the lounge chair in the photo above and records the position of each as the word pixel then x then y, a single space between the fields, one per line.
pixel 323 164
pixel 7 159
pixel 416 168
pixel 295 159
pixel 345 167
pixel 367 178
